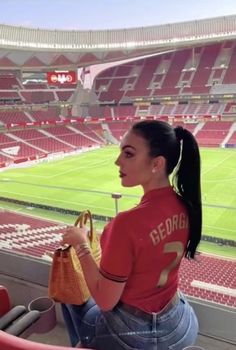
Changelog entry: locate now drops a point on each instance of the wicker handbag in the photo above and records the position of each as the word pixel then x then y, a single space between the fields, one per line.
pixel 66 279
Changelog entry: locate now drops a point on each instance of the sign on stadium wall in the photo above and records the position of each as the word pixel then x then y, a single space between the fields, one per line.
pixel 62 77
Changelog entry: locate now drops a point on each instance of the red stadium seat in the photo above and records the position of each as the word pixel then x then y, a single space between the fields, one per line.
pixel 10 342
pixel 5 304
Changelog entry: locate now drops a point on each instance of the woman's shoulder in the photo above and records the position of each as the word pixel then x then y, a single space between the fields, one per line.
pixel 127 215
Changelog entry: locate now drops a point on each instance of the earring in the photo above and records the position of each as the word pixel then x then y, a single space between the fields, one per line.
pixel 153 170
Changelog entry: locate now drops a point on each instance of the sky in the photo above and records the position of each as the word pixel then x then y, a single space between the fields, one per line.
pixel 108 14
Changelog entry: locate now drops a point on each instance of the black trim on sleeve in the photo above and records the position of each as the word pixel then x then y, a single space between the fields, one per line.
pixel 120 279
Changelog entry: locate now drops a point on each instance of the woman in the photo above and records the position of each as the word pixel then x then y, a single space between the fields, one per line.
pixel 136 303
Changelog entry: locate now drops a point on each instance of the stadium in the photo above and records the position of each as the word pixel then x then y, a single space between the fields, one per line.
pixel 66 100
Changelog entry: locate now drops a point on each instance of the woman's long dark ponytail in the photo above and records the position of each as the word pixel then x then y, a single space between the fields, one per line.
pixel 187 182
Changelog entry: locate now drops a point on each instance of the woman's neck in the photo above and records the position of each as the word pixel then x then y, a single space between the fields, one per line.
pixel 165 182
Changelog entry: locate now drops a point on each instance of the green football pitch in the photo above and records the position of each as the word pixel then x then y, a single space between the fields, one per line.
pixel 87 180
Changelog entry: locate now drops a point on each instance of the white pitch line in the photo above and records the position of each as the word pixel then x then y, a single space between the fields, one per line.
pixel 80 167
pixel 214 288
pixel 216 165
pixel 220 180
pixel 219 228
pixel 61 200
pixel 23 174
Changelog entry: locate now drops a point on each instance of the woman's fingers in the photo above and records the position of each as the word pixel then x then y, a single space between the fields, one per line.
pixel 74 235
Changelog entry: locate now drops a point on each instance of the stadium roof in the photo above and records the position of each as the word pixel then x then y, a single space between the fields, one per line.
pixel 32 49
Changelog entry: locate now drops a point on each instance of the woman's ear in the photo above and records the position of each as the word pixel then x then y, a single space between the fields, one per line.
pixel 159 163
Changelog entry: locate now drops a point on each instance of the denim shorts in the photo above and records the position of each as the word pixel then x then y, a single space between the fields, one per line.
pixel 120 329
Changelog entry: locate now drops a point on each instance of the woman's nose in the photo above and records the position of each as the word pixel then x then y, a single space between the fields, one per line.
pixel 117 161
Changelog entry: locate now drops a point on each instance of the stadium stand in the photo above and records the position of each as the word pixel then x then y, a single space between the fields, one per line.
pixel 213 133
pixel 232 140
pixel 13 117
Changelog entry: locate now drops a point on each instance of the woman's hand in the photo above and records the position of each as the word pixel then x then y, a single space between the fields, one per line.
pixel 75 236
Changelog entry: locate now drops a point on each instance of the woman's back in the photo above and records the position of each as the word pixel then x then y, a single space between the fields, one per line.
pixel 148 243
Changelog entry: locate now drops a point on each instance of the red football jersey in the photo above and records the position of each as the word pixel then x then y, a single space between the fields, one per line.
pixel 143 247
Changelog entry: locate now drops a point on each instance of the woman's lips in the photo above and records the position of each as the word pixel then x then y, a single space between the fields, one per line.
pixel 122 174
